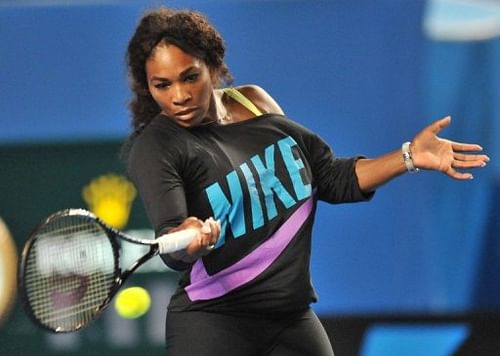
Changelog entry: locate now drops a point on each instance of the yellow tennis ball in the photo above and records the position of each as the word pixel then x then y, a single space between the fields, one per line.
pixel 132 302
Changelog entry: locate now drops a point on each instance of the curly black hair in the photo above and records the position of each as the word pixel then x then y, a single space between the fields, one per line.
pixel 186 29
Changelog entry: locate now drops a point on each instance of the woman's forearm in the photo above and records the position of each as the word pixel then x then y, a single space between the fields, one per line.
pixel 374 172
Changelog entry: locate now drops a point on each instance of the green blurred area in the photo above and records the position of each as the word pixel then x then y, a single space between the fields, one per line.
pixel 37 180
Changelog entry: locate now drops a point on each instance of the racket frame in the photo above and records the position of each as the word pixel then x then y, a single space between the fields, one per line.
pixel 119 276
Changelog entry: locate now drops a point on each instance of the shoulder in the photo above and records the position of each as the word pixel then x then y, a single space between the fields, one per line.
pixel 162 131
pixel 161 139
pixel 261 98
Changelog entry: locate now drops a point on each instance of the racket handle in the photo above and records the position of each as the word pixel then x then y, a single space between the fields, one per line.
pixel 175 241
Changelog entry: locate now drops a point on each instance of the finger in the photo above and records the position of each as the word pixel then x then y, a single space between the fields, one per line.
pixel 210 230
pixel 459 175
pixel 463 147
pixel 438 125
pixel 468 157
pixel 215 227
pixel 193 220
pixel 468 164
pixel 210 235
pixel 206 229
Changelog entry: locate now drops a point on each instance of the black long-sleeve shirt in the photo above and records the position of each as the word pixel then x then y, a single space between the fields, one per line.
pixel 262 178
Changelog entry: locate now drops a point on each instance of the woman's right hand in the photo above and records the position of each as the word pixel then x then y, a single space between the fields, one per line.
pixel 203 243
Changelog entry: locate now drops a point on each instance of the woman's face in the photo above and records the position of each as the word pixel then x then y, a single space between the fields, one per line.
pixel 181 85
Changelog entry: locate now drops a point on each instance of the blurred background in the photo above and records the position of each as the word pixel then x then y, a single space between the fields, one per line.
pixel 416 271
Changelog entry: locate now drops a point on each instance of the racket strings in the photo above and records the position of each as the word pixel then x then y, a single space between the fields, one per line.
pixel 69 272
pixel 53 315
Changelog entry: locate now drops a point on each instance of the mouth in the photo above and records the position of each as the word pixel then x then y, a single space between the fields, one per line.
pixel 185 114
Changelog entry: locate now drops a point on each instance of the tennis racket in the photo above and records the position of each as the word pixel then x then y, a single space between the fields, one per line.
pixel 70 268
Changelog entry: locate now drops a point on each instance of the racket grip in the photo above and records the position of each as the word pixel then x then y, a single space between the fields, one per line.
pixel 175 241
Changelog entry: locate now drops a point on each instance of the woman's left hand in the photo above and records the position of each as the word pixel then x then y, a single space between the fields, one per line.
pixel 434 153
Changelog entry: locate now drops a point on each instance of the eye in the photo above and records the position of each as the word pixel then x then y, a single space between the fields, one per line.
pixel 162 85
pixel 193 77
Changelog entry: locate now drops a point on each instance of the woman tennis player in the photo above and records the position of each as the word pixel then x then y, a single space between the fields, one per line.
pixel 226 160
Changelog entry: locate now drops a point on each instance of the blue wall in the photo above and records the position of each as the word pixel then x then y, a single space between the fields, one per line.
pixel 361 73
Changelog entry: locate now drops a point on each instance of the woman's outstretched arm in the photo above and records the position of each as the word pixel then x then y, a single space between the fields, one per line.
pixel 426 151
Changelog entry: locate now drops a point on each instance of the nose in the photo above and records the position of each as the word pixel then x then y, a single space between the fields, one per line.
pixel 180 95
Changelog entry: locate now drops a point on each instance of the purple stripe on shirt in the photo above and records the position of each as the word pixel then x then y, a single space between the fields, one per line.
pixel 204 287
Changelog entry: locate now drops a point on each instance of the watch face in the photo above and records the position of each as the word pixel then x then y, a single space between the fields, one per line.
pixel 8 271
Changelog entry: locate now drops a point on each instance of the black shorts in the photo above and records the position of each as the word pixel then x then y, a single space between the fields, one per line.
pixel 199 333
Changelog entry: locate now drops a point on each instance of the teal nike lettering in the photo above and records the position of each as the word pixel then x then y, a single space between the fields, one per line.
pixel 265 184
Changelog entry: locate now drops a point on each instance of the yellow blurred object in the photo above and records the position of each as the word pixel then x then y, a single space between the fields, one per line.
pixel 112 212
pixel 132 302
pixel 8 271
pixel 110 197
